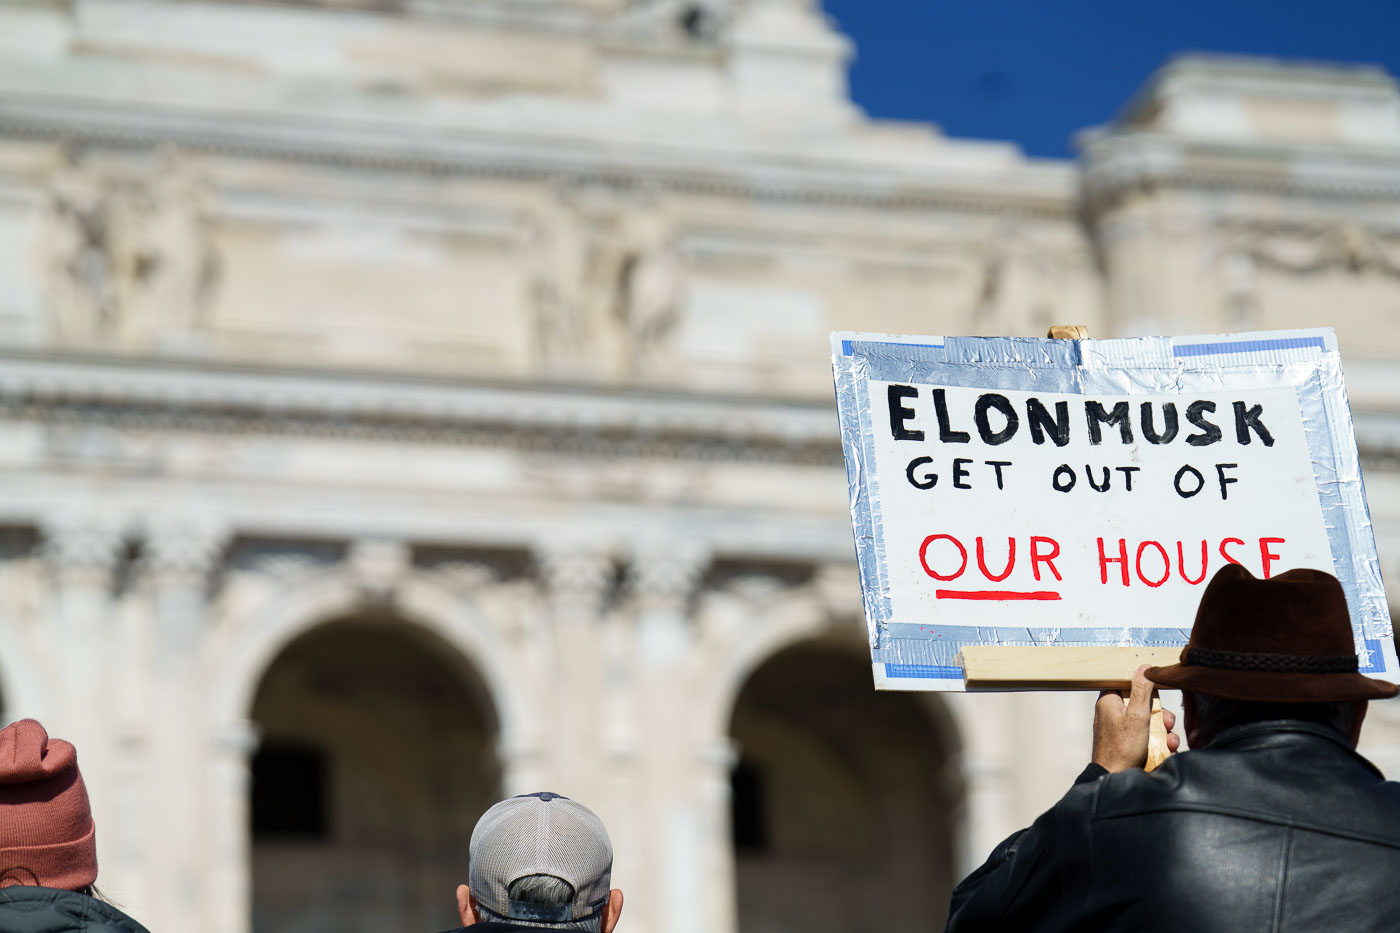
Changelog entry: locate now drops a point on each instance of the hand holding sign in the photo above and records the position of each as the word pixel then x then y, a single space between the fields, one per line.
pixel 1123 727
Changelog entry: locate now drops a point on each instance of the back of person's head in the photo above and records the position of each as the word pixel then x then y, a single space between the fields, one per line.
pixel 47 837
pixel 542 860
pixel 1216 714
pixel 1280 648
pixel 540 896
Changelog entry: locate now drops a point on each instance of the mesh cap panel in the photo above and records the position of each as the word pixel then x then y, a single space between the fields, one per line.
pixel 540 834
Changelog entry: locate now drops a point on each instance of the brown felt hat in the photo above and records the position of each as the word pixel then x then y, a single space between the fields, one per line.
pixel 1283 640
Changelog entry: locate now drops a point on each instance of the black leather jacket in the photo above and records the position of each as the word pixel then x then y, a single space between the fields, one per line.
pixel 1276 826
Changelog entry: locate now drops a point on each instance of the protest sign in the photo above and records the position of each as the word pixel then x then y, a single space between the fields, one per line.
pixel 1082 492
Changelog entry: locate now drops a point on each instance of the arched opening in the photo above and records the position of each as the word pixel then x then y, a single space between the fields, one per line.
pixel 841 813
pixel 376 758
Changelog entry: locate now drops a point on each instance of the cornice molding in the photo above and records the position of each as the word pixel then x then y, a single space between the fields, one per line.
pixel 127 393
pixel 1116 165
pixel 757 172
pixel 204 397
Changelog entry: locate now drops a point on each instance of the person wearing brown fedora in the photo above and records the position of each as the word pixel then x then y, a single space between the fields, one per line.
pixel 1271 822
pixel 48 850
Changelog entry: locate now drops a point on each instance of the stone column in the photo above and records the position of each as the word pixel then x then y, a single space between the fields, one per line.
pixel 661 581
pixel 525 765
pixel 177 557
pixel 577 581
pixel 228 890
pixel 721 903
pixel 82 553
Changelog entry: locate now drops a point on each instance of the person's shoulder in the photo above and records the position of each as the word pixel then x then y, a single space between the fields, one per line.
pixel 500 928
pixel 1337 791
pixel 1187 779
pixel 26 908
pixel 1079 801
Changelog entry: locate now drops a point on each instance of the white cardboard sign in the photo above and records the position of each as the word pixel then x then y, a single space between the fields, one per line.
pixel 1082 492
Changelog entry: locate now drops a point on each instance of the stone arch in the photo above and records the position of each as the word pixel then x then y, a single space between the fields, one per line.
pixel 250 643
pixel 245 646
pixel 787 621
pixel 802 626
pixel 800 617
pixel 376 757
pixel 838 788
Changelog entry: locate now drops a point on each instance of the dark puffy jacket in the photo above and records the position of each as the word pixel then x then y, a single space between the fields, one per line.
pixel 496 928
pixel 47 910
pixel 1276 826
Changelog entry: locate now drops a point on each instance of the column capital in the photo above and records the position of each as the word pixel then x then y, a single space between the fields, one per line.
pixel 720 755
pixel 179 547
pixel 576 575
pixel 664 576
pixel 239 738
pixel 82 546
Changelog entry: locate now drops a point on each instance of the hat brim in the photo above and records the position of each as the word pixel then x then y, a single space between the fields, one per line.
pixel 1265 687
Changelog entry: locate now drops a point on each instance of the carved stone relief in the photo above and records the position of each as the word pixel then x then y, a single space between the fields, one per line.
pixel 77 547
pixel 578 578
pixel 1243 252
pixel 1019 278
pixel 1310 249
pixel 647 285
pixel 128 258
pixel 378 566
pixel 605 282
pixel 466 577
pixel 558 251
pixel 167 264
pixel 77 250
pixel 183 549
pixel 663 577
pixel 702 22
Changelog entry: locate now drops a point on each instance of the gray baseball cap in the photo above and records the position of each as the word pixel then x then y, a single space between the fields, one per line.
pixel 540 834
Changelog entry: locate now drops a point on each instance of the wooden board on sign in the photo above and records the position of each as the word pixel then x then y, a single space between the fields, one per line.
pixel 1057 667
pixel 1063 667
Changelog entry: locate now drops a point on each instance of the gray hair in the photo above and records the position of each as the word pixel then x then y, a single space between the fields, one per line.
pixel 547 891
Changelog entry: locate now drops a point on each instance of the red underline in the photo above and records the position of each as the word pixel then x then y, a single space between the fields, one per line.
pixel 997 594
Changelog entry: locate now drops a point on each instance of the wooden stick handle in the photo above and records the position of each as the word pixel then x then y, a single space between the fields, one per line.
pixel 1157 750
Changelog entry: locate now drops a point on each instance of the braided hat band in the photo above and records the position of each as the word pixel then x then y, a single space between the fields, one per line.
pixel 1287 639
pixel 1272 663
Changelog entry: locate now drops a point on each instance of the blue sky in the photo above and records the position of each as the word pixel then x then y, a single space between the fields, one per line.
pixel 1035 72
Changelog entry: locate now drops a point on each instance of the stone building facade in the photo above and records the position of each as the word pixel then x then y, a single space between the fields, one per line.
pixel 409 402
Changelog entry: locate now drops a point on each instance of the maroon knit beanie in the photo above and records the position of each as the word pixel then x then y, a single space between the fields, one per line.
pixel 47 836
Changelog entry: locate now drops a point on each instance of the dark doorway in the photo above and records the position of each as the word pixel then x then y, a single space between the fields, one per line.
pixel 376 760
pixel 841 816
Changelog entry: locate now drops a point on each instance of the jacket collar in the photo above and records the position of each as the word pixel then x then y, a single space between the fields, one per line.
pixel 500 928
pixel 68 909
pixel 1276 732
